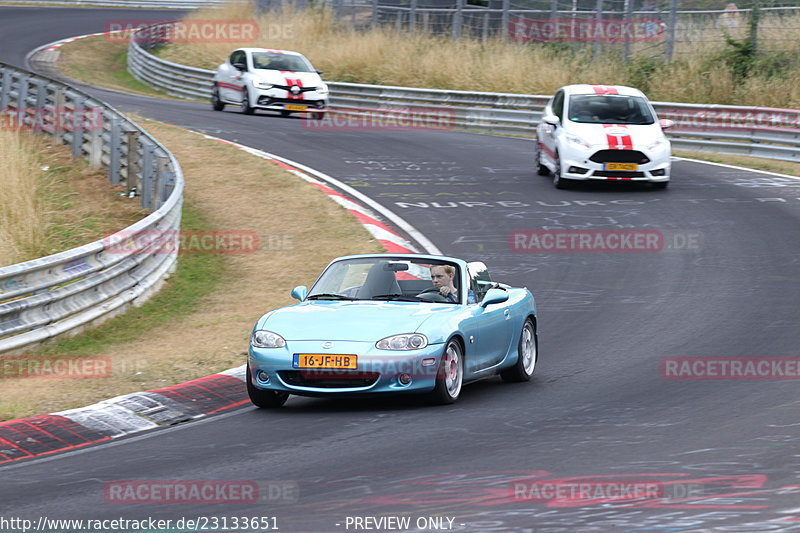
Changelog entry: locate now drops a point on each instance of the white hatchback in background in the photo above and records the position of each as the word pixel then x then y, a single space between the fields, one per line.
pixel 279 80
pixel 602 132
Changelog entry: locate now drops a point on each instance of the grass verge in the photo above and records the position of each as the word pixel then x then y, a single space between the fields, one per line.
pixel 199 323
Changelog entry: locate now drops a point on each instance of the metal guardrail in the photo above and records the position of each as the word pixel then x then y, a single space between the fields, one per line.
pixel 65 292
pixel 149 4
pixel 752 131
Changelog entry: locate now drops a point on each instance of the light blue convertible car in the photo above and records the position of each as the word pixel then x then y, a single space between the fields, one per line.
pixel 381 323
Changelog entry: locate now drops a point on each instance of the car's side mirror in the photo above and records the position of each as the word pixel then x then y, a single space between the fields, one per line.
pixel 494 296
pixel 551 119
pixel 300 292
pixel 666 123
pixel 240 66
pixel 320 72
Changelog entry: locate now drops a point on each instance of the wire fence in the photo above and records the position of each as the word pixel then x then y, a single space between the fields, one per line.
pixel 628 27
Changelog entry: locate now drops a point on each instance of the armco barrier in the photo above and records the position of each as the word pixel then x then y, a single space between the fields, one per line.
pixel 64 292
pixel 752 131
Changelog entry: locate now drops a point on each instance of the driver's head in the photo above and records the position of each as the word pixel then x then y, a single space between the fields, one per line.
pixel 618 106
pixel 442 275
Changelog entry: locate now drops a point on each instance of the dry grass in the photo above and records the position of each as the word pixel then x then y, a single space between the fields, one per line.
pixel 300 230
pixel 50 202
pixel 384 56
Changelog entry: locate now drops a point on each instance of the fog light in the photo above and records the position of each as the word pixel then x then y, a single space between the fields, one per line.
pixel 659 172
pixel 404 379
pixel 262 376
pixel 577 170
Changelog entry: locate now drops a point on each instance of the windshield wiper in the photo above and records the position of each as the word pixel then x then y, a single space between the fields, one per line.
pixel 394 297
pixel 329 296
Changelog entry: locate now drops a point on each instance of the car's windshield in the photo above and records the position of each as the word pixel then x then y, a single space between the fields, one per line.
pixel 388 278
pixel 280 61
pixel 609 109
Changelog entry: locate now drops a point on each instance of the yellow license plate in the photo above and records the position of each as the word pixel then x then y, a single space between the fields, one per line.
pixel 295 107
pixel 621 166
pixel 324 360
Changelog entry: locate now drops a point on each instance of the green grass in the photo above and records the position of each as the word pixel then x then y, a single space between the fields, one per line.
pixel 197 275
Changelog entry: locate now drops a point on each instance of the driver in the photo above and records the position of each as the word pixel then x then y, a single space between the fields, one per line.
pixel 442 277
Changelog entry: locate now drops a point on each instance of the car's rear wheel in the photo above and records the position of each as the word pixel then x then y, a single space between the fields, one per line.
pixel 558 180
pixel 216 103
pixel 246 108
pixel 541 169
pixel 527 355
pixel 265 399
pixel 450 375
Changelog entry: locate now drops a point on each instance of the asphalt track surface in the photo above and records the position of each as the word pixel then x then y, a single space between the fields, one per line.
pixel 726 283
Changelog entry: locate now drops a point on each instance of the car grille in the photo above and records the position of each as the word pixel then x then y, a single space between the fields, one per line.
pixel 618 174
pixel 619 156
pixel 328 379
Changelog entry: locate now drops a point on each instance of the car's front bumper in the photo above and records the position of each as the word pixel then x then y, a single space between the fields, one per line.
pixel 378 371
pixel 590 164
pixel 311 102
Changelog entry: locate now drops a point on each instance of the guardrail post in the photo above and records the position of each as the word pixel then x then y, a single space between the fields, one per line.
pixel 22 100
pixel 95 137
pixel 132 161
pixel 673 21
pixel 598 17
pixel 5 90
pixel 626 53
pixel 39 119
pixel 114 152
pixel 77 127
pixel 147 184
pixel 458 19
pixel 58 114
pixel 412 16
pixel 505 19
pixel 374 21
pixel 162 175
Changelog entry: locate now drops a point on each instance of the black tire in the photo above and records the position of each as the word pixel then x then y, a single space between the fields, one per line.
pixel 660 184
pixel 246 109
pixel 527 355
pixel 450 376
pixel 285 113
pixel 541 169
pixel 265 399
pixel 216 103
pixel 316 115
pixel 558 181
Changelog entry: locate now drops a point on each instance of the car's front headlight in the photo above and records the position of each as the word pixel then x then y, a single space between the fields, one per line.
pixel 322 89
pixel 574 139
pixel 263 85
pixel 262 338
pixel 406 341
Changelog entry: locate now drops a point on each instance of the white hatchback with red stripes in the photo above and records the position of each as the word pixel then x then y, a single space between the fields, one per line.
pixel 602 132
pixel 260 78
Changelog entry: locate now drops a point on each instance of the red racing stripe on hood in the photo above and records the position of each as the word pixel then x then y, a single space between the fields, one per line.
pixel 618 141
pixel 290 82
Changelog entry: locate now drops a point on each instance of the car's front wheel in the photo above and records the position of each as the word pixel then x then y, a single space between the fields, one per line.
pixel 527 355
pixel 660 184
pixel 216 103
pixel 285 113
pixel 559 181
pixel 316 115
pixel 265 399
pixel 450 375
pixel 247 109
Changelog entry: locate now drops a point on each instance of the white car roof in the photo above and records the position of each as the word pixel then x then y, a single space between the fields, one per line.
pixel 585 88
pixel 270 50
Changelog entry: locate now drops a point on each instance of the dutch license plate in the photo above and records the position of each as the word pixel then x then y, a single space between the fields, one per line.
pixel 295 107
pixel 324 360
pixel 621 166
